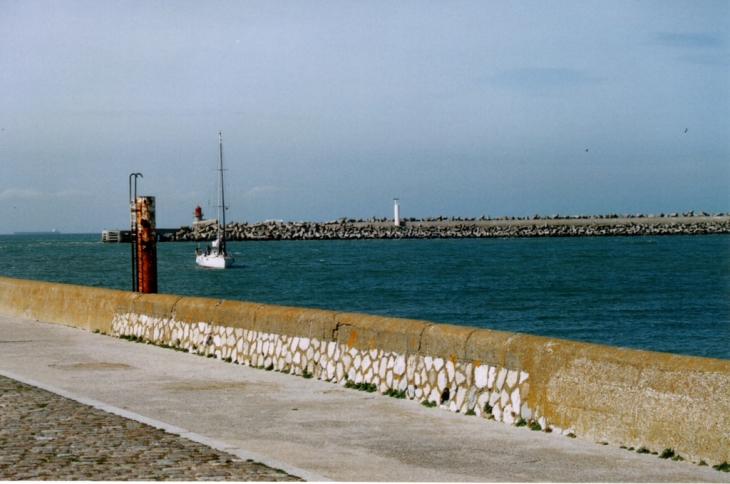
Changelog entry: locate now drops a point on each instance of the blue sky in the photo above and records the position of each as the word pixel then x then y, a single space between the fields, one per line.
pixel 331 109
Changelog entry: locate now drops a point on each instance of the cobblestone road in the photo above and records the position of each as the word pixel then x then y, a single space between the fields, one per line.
pixel 44 436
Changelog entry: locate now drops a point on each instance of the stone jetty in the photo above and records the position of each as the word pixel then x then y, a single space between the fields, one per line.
pixel 687 223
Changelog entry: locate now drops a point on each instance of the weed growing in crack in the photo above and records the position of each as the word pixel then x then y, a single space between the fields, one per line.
pixel 363 387
pixel 520 422
pixel 643 450
pixel 535 426
pixel 724 467
pixel 666 454
pixel 390 392
pixel 428 403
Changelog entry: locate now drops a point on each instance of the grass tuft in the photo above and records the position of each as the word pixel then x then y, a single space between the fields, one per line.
pixel 667 454
pixel 535 426
pixel 724 467
pixel 428 403
pixel 520 422
pixel 643 450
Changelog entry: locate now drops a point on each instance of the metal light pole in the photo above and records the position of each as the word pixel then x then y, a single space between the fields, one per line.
pixel 133 227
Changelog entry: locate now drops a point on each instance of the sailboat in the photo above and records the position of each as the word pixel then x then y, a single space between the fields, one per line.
pixel 217 258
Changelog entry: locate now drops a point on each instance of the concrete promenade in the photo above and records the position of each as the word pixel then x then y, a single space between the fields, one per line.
pixel 308 428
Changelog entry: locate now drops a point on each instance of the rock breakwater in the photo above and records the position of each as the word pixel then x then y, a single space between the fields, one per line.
pixel 457 227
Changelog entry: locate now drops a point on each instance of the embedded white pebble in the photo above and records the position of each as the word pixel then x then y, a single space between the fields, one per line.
pixel 351 374
pixel 512 376
pixel 542 422
pixel 268 361
pixel 366 362
pixel 438 363
pixel 330 370
pixel 317 356
pixel 340 371
pixel 497 412
pixel 310 353
pixel 288 358
pixel 389 379
pixel 353 352
pixel 500 378
pixel 469 371
pixel 507 416
pixel 358 377
pixel 480 376
pixel 492 376
pixel 383 369
pixel 417 379
pixel 503 398
pixel 304 344
pixel 391 363
pixel 216 341
pixel 460 378
pixel 515 399
pixel 483 398
pixel 450 370
pixel 229 330
pixel 331 349
pixel 337 353
pixel 297 358
pixel 259 346
pixel 411 391
pixel 428 363
pixel 278 348
pixel 434 396
pixel 346 360
pixel 493 399
pixel 265 348
pixel 441 381
pixel 294 343
pixel 460 396
pixel 453 407
pixel 471 397
pixel 373 353
pixel 402 384
pixel 523 376
pixel 369 375
pixel 399 367
pixel 157 334
pixel 419 393
pixel 357 361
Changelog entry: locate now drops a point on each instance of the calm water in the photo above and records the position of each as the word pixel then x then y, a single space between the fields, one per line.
pixel 667 294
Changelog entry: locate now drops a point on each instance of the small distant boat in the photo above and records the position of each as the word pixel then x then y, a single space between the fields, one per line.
pixel 52 232
pixel 217 258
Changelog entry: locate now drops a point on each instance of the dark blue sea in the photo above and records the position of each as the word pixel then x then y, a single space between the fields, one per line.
pixel 669 294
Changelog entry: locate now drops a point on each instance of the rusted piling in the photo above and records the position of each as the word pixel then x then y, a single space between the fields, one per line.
pixel 146 245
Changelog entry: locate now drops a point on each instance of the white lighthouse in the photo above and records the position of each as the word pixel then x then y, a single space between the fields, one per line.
pixel 396 213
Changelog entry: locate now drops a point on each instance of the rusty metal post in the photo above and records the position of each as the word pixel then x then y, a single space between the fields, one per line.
pixel 146 245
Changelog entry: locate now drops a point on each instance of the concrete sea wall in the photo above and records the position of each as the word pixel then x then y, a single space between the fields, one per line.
pixel 599 393
pixel 441 227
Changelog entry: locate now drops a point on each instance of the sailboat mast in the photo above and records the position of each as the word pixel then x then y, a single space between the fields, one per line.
pixel 222 202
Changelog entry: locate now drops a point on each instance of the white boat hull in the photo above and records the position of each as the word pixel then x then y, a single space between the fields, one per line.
pixel 214 261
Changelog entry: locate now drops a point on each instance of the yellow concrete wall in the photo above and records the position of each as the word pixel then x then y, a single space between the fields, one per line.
pixel 604 394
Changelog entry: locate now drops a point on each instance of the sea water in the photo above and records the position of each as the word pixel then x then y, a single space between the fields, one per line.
pixel 661 293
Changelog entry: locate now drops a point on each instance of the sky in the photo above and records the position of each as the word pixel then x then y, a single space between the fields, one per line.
pixel 331 109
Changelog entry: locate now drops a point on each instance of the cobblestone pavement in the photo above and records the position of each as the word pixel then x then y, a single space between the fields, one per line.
pixel 44 436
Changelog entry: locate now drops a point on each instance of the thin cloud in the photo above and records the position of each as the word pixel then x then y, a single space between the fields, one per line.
pixel 33 194
pixel 689 41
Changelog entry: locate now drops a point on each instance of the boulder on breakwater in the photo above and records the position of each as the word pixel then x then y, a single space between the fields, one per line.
pixel 687 223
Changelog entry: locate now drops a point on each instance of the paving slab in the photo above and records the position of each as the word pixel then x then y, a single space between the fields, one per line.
pixel 319 428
